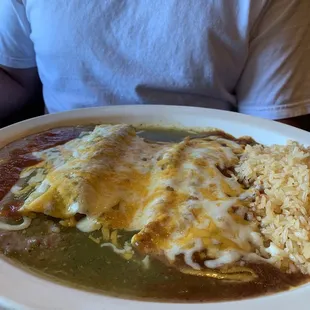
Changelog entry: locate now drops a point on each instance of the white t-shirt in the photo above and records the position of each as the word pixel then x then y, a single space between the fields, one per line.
pixel 248 55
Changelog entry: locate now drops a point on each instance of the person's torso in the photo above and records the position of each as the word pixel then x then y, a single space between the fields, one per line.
pixel 101 52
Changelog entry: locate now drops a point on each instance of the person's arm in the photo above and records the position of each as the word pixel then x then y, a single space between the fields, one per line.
pixel 17 88
pixel 19 82
pixel 275 82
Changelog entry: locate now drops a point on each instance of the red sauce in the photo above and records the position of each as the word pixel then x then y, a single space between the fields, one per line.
pixel 10 171
pixel 20 157
pixel 52 138
pixel 10 210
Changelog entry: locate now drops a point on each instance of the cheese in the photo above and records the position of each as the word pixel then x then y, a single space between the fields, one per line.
pixel 94 174
pixel 176 195
pixel 195 210
pixel 126 252
pixel 25 224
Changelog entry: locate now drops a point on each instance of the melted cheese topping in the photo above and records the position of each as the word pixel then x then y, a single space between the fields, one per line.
pixel 94 176
pixel 192 206
pixel 176 195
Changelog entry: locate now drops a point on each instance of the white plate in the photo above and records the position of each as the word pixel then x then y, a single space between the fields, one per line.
pixel 22 290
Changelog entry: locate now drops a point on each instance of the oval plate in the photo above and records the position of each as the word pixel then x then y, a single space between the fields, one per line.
pixel 22 290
